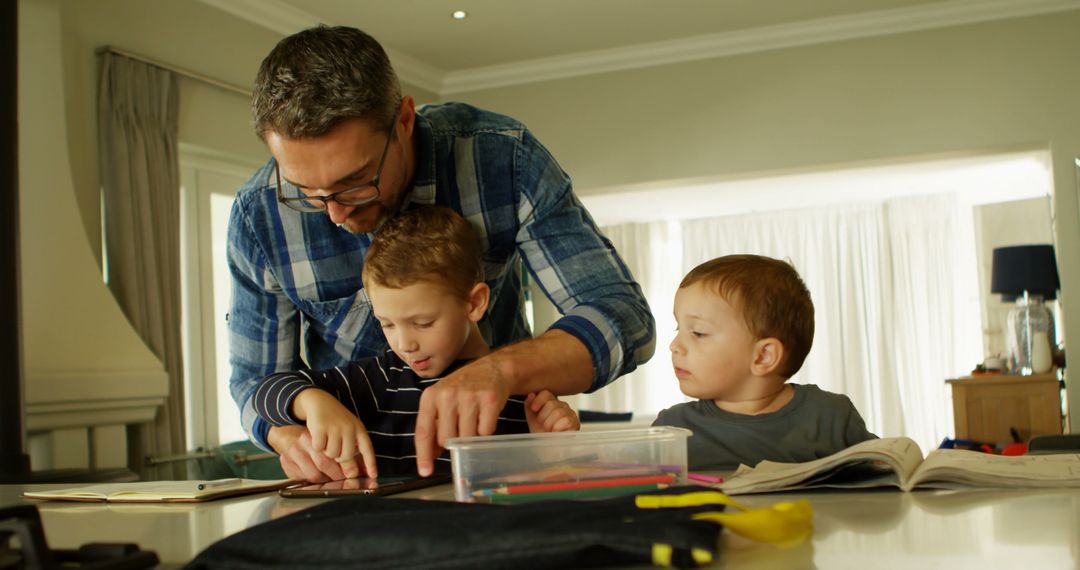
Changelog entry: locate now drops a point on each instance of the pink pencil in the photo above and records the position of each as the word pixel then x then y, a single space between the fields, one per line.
pixel 704 478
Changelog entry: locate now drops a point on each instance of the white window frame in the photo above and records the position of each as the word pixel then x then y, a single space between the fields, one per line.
pixel 197 288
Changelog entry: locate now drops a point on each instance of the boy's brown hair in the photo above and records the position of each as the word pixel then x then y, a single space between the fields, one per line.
pixel 427 243
pixel 771 296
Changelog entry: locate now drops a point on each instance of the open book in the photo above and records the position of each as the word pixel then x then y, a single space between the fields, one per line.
pixel 898 461
pixel 160 491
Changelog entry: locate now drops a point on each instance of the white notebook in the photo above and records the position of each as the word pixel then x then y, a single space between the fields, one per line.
pixel 161 491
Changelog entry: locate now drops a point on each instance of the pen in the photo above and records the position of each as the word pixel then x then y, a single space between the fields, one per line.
pixel 218 483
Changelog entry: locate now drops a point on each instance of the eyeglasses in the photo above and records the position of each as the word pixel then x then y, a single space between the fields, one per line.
pixel 295 198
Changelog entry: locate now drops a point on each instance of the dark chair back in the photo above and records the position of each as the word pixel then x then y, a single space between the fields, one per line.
pixel 1047 444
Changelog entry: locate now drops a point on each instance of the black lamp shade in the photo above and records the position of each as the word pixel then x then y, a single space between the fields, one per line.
pixel 1020 268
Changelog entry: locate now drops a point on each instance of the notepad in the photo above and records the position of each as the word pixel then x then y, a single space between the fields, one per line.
pixel 161 491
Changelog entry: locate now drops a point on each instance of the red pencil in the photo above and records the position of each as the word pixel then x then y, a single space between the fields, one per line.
pixel 581 484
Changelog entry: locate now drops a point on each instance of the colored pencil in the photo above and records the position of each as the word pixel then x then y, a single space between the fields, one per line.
pixel 578 473
pixel 569 473
pixel 579 484
pixel 593 493
pixel 704 478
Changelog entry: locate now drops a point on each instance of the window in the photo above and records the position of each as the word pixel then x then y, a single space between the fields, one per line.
pixel 208 185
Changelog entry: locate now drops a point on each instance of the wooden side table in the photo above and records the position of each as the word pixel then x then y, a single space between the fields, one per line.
pixel 985 407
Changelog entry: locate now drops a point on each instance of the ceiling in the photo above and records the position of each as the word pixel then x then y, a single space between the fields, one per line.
pixel 504 31
pixel 511 42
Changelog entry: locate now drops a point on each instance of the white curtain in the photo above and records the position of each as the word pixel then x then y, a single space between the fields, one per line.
pixel 137 133
pixel 652 252
pixel 936 307
pixel 893 286
pixel 842 254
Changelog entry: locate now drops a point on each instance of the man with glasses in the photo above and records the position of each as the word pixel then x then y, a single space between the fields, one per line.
pixel 349 152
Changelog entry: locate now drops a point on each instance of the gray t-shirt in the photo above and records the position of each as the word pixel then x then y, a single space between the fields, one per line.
pixel 814 424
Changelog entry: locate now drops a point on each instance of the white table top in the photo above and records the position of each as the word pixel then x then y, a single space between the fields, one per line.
pixel 869 529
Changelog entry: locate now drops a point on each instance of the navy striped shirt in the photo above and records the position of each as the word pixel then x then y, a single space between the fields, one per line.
pixel 385 394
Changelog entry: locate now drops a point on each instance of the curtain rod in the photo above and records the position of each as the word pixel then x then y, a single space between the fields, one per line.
pixel 177 70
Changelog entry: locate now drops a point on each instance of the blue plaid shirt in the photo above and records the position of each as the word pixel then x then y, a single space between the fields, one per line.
pixel 299 274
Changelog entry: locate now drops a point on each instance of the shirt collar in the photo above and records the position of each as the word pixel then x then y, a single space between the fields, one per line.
pixel 423 189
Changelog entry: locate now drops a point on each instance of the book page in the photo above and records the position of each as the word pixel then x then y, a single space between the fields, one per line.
pixel 901 455
pixel 955 468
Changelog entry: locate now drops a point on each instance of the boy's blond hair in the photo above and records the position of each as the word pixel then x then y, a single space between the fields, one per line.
pixel 772 298
pixel 427 243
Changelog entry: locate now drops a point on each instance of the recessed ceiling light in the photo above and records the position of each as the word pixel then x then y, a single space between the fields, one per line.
pixel 459 15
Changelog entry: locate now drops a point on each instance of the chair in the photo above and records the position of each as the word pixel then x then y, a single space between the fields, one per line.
pixel 239 459
pixel 1048 444
pixel 589 416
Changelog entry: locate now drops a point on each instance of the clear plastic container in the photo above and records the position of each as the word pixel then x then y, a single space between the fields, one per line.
pixel 587 464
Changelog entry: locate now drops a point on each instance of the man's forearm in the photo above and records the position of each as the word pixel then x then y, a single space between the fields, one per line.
pixel 555 361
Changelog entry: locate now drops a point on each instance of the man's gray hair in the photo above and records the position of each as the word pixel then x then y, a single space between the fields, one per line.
pixel 316 78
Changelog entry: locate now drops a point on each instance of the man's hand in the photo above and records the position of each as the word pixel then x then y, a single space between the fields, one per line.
pixel 546 413
pixel 300 460
pixel 335 431
pixel 465 403
pixel 468 402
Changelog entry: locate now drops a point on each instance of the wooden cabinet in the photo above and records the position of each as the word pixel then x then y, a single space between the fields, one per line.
pixel 985 407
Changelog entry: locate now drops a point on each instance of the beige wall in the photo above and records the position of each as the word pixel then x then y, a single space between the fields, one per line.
pixel 70 320
pixel 964 89
pixel 184 33
pixel 72 326
pixel 87 372
pixel 980 88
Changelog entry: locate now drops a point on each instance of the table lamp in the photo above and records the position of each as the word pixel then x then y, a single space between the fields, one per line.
pixel 1027 274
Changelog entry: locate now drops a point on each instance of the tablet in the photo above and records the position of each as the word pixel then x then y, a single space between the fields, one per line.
pixel 365 486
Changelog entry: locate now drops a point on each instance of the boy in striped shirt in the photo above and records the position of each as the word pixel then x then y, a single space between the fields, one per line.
pixel 424 278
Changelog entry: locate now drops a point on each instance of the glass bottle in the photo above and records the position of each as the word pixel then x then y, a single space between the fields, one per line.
pixel 1030 337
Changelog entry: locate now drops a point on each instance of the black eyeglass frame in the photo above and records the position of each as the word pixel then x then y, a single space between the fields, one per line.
pixel 315 204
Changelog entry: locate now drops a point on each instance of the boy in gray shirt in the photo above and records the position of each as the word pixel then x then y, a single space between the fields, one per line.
pixel 745 326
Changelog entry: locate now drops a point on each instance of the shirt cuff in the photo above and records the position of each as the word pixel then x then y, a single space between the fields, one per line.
pixel 259 434
pixel 592 328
